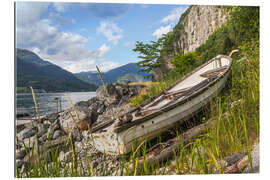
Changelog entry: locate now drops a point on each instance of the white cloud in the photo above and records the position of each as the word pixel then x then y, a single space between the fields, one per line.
pixel 108 65
pixel 27 12
pixel 169 21
pixel 80 65
pixel 111 31
pixel 174 15
pixel 59 20
pixel 65 49
pixel 161 31
pixel 101 51
pixel 60 7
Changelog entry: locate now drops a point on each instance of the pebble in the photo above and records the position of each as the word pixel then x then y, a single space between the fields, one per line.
pixel 19 163
pixel 20 153
pixel 57 134
pixel 61 156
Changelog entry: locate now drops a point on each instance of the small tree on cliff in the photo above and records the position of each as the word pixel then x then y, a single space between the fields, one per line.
pixel 149 53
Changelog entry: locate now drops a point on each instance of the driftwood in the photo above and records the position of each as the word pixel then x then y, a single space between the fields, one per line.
pixel 159 153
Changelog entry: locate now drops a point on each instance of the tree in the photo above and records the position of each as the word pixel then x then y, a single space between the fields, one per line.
pixel 149 53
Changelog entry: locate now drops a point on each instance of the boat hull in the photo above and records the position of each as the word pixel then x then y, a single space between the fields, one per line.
pixel 112 142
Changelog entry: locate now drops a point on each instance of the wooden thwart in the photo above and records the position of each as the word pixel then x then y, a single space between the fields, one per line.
pixel 214 72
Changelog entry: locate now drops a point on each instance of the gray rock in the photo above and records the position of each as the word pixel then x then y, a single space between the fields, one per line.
pixel 50 132
pixel 23 169
pixel 19 163
pixel 124 100
pixel 55 126
pixel 95 106
pixel 232 159
pixel 67 122
pixel 255 155
pixel 29 133
pixel 102 118
pixel 61 156
pixel 30 142
pixel 101 109
pixel 83 154
pixel 57 134
pixel 82 104
pixel 112 91
pixel 68 156
pixel 92 100
pixel 19 135
pixel 42 129
pixel 93 116
pixel 20 153
pixel 78 145
pixel 77 136
pixel 94 164
pixel 52 117
pixel 43 138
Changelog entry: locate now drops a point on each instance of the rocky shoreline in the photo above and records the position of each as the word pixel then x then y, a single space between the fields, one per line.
pixel 53 129
pixel 52 132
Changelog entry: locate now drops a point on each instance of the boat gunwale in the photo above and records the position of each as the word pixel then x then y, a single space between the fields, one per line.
pixel 172 106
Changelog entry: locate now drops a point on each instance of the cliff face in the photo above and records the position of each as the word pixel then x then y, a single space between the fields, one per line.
pixel 192 30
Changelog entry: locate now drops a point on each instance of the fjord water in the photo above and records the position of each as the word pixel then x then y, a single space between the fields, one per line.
pixel 47 102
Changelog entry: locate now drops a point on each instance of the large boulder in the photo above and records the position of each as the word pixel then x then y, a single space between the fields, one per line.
pixel 118 93
pixel 67 122
pixel 26 133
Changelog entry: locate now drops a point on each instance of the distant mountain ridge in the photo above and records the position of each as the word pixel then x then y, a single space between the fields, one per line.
pixel 127 72
pixel 43 75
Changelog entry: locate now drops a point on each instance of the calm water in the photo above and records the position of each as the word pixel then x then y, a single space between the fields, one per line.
pixel 47 103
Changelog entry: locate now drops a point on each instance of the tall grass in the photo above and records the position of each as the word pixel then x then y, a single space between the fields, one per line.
pixel 230 134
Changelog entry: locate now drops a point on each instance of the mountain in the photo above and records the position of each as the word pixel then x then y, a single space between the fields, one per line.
pixel 127 72
pixel 130 78
pixel 43 75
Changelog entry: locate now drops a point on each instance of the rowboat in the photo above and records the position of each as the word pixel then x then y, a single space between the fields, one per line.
pixel 175 104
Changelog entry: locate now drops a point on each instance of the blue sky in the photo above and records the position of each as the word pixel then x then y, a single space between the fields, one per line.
pixel 79 36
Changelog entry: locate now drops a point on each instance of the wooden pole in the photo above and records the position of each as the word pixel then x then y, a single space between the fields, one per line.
pixel 103 82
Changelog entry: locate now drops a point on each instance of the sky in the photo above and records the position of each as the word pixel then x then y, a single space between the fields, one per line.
pixel 79 36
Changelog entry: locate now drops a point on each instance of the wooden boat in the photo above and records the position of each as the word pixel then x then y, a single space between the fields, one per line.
pixel 175 104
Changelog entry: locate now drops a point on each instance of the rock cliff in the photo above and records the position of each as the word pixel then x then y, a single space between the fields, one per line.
pixel 192 30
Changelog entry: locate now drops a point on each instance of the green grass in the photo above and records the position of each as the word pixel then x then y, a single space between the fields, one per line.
pixel 233 134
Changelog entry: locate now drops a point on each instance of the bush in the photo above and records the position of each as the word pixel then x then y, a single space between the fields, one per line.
pixel 184 62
